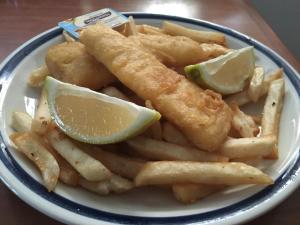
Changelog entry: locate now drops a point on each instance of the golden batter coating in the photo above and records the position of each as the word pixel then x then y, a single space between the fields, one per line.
pixel 71 63
pixel 202 115
pixel 178 50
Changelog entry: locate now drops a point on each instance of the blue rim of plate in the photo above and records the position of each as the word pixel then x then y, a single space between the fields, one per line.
pixel 222 213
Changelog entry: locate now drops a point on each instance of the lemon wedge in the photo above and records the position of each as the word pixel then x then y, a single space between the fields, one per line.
pixel 95 118
pixel 226 74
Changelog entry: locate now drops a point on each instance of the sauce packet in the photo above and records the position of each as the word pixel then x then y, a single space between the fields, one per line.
pixel 108 16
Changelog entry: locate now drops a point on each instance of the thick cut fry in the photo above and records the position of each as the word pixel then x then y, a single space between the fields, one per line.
pixel 256 84
pixel 70 62
pixel 30 145
pixel 67 173
pixel 251 161
pixel 37 76
pixel 248 147
pixel 202 116
pixel 242 123
pixel 21 121
pixel 178 50
pixel 196 35
pixel 189 193
pixel 173 172
pixel 160 150
pixel 173 135
pixel 272 112
pixel 120 164
pixel 156 128
pixel 114 92
pixel 132 27
pixel 243 98
pixel 147 29
pixel 67 37
pixel 115 184
pixel 88 167
pixel 42 118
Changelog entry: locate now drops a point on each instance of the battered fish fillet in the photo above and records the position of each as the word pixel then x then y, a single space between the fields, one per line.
pixel 71 63
pixel 178 50
pixel 202 115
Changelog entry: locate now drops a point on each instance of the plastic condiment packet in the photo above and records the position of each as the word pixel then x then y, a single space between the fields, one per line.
pixel 107 16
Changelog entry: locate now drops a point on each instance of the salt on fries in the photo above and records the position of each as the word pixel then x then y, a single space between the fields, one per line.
pixel 272 112
pixel 248 147
pixel 42 117
pixel 173 172
pixel 88 167
pixel 21 122
pixel 192 174
pixel 30 145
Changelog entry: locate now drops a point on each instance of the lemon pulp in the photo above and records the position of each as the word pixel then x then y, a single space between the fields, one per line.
pixel 91 117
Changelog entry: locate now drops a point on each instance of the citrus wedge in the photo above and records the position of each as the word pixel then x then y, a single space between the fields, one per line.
pixel 225 74
pixel 95 118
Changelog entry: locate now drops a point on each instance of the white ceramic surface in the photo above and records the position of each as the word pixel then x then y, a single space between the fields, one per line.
pixel 77 206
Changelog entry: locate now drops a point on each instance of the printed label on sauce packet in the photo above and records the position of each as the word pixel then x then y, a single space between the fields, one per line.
pixel 107 16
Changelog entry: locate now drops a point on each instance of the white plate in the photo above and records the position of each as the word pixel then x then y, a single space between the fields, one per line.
pixel 76 206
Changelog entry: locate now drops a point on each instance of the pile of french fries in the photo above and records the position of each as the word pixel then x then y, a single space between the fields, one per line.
pixel 162 156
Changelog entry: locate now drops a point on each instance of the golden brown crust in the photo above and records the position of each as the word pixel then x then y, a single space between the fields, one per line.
pixel 201 115
pixel 70 62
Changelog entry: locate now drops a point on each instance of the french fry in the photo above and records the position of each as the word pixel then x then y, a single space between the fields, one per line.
pixel 120 164
pixel 248 147
pixel 189 193
pixel 174 172
pixel 173 135
pixel 115 184
pixel 156 128
pixel 37 76
pixel 196 35
pixel 256 84
pixel 42 117
pixel 160 150
pixel 272 113
pixel 67 37
pixel 67 173
pixel 88 167
pixel 132 27
pixel 114 92
pixel 242 123
pixel 147 29
pixel 243 98
pixel 29 144
pixel 214 50
pixel 251 161
pixel 21 121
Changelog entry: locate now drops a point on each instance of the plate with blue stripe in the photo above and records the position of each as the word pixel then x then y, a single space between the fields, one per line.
pixel 146 205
